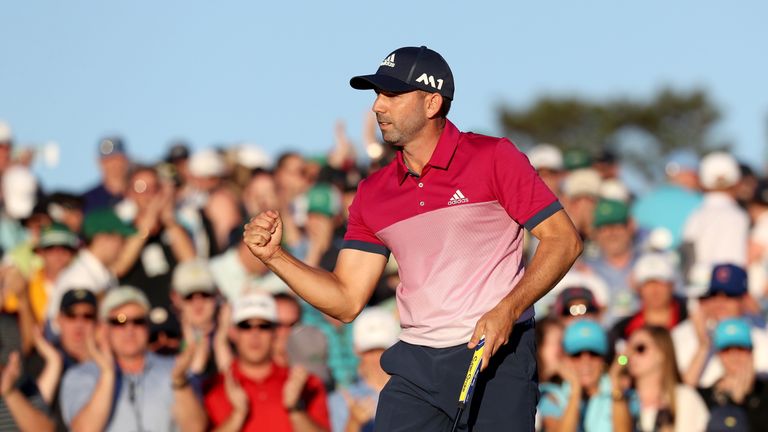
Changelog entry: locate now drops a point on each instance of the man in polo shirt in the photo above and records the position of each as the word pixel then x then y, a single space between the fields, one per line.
pixel 256 394
pixel 451 208
pixel 126 387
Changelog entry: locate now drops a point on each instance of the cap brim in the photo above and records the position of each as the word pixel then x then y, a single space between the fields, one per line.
pixel 380 82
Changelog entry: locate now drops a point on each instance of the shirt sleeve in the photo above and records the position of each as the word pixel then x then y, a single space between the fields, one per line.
pixel 519 188
pixel 76 390
pixel 359 236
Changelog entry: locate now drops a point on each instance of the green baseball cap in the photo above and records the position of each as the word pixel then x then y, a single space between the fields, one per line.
pixel 57 234
pixel 576 158
pixel 324 199
pixel 609 212
pixel 105 221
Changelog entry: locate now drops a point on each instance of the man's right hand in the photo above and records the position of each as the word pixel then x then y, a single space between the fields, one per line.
pixel 99 350
pixel 263 235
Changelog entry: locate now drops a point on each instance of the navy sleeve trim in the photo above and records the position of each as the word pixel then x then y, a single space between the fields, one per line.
pixel 543 214
pixel 366 247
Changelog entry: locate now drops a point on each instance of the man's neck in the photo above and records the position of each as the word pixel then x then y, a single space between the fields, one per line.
pixel 619 260
pixel 659 316
pixel 418 151
pixel 115 186
pixel 132 365
pixel 255 371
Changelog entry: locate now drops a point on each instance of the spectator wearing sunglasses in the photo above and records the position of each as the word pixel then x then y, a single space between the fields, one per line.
pixel 739 400
pixel 125 386
pixel 664 403
pixel 653 278
pixel 591 398
pixel 195 298
pixel 255 393
pixel 724 299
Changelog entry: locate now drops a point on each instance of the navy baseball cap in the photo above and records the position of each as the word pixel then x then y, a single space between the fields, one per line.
pixel 407 69
pixel 728 279
pixel 109 146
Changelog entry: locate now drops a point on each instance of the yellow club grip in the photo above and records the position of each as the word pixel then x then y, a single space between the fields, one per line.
pixel 474 368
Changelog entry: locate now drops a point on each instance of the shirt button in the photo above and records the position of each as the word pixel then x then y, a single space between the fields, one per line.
pixel 421 185
pixel 421 203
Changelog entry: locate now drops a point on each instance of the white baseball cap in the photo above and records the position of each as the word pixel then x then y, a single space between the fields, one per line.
pixel 719 170
pixel 585 181
pixel 614 189
pixel 192 276
pixel 19 191
pixel 653 266
pixel 121 296
pixel 252 157
pixel 546 156
pixel 254 305
pixel 207 163
pixel 6 135
pixel 375 328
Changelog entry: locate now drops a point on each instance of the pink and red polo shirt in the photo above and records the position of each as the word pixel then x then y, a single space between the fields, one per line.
pixel 456 231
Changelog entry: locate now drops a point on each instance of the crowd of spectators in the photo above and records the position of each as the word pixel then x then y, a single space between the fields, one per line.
pixel 134 305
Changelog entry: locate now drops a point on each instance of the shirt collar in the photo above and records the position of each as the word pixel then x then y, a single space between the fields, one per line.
pixel 441 156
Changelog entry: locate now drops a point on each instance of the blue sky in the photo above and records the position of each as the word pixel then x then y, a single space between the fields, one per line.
pixel 276 73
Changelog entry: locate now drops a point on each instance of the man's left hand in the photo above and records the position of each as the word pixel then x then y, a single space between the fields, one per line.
pixel 496 325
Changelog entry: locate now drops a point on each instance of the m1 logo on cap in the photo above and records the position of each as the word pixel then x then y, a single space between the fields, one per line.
pixel 430 81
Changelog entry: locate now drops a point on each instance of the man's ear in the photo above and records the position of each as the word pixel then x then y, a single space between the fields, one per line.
pixel 433 103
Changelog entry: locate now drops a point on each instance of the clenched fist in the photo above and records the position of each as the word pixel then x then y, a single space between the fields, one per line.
pixel 263 234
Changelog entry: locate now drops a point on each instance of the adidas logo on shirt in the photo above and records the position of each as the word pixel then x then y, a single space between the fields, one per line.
pixel 458 198
pixel 389 61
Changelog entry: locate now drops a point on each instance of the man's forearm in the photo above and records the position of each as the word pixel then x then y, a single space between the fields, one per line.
pixel 551 261
pixel 188 411
pixel 322 289
pixel 234 422
pixel 26 416
pixel 301 421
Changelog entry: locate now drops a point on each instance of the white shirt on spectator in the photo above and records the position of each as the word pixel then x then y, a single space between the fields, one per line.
pixel 691 413
pixel 232 278
pixel 758 270
pixel 719 231
pixel 687 343
pixel 85 271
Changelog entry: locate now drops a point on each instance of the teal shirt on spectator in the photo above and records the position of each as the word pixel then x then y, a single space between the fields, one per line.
pixel 666 207
pixel 595 414
pixel 342 359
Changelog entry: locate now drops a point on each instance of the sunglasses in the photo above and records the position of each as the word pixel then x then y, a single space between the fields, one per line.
pixel 122 321
pixel 198 294
pixel 591 354
pixel 82 316
pixel 245 325
pixel 639 348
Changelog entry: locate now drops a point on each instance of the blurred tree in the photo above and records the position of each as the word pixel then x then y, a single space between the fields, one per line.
pixel 640 132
